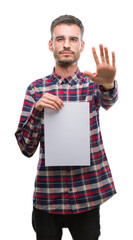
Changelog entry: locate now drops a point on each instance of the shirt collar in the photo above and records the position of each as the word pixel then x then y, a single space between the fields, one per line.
pixel 76 77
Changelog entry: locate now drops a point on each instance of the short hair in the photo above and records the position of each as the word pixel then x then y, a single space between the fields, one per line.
pixel 69 20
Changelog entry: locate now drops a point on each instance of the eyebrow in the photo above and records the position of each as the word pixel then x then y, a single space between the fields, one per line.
pixel 62 36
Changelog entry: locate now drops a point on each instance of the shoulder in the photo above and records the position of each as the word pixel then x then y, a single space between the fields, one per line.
pixel 40 82
pixel 36 88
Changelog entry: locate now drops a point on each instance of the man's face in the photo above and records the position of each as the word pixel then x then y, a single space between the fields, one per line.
pixel 66 44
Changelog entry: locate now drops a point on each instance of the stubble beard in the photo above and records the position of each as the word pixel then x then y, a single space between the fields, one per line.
pixel 66 62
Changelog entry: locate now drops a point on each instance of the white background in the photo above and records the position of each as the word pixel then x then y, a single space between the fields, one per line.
pixel 24 57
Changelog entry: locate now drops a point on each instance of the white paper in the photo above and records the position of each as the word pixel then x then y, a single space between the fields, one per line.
pixel 67 135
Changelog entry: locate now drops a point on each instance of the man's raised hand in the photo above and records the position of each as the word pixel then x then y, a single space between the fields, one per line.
pixel 105 71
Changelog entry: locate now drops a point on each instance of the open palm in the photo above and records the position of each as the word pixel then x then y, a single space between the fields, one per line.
pixel 105 72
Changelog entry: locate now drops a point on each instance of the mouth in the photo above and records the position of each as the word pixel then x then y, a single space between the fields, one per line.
pixel 67 53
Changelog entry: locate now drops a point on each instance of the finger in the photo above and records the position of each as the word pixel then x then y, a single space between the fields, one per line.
pixel 106 54
pixel 52 103
pixel 94 78
pixel 40 105
pixel 44 105
pixel 95 56
pixel 54 99
pixel 89 74
pixel 101 53
pixel 113 59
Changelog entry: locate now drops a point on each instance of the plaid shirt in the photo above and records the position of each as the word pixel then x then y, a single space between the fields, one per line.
pixel 73 189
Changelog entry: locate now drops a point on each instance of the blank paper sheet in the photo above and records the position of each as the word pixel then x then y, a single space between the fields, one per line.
pixel 67 135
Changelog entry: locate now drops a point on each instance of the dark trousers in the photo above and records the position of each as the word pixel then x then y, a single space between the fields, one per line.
pixel 82 226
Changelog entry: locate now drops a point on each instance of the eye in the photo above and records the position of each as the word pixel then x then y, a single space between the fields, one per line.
pixel 74 39
pixel 59 39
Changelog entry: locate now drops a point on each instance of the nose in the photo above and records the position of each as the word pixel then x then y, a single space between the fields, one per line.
pixel 66 43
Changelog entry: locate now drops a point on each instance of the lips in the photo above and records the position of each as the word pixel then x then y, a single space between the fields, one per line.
pixel 66 52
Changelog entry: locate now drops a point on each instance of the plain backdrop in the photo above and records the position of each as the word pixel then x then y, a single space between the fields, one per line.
pixel 24 57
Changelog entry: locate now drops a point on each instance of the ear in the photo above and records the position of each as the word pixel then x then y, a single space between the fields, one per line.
pixel 50 44
pixel 82 45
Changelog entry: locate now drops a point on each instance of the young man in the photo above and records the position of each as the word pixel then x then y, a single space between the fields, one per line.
pixel 69 196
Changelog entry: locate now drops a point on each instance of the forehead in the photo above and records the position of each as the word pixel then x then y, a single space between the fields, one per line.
pixel 66 30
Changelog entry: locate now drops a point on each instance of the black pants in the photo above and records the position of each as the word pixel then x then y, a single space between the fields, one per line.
pixel 82 226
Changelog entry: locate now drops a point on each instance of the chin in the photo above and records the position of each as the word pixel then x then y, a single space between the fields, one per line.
pixel 66 63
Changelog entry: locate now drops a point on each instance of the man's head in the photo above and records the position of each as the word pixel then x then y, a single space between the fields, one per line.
pixel 66 39
pixel 68 20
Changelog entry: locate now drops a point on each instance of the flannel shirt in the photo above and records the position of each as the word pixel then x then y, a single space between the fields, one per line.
pixel 67 189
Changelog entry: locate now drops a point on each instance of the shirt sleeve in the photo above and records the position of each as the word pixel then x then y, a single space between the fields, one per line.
pixel 29 128
pixel 106 98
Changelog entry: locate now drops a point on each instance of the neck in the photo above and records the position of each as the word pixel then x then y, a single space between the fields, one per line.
pixel 65 71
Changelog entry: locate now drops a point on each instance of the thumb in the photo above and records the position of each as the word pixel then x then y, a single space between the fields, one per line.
pixel 89 74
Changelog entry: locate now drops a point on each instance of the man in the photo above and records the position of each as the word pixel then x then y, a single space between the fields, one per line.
pixel 69 196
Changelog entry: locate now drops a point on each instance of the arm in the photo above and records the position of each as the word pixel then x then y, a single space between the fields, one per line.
pixel 105 98
pixel 105 87
pixel 30 126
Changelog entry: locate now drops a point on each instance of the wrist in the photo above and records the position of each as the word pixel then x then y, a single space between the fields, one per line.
pixel 107 87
